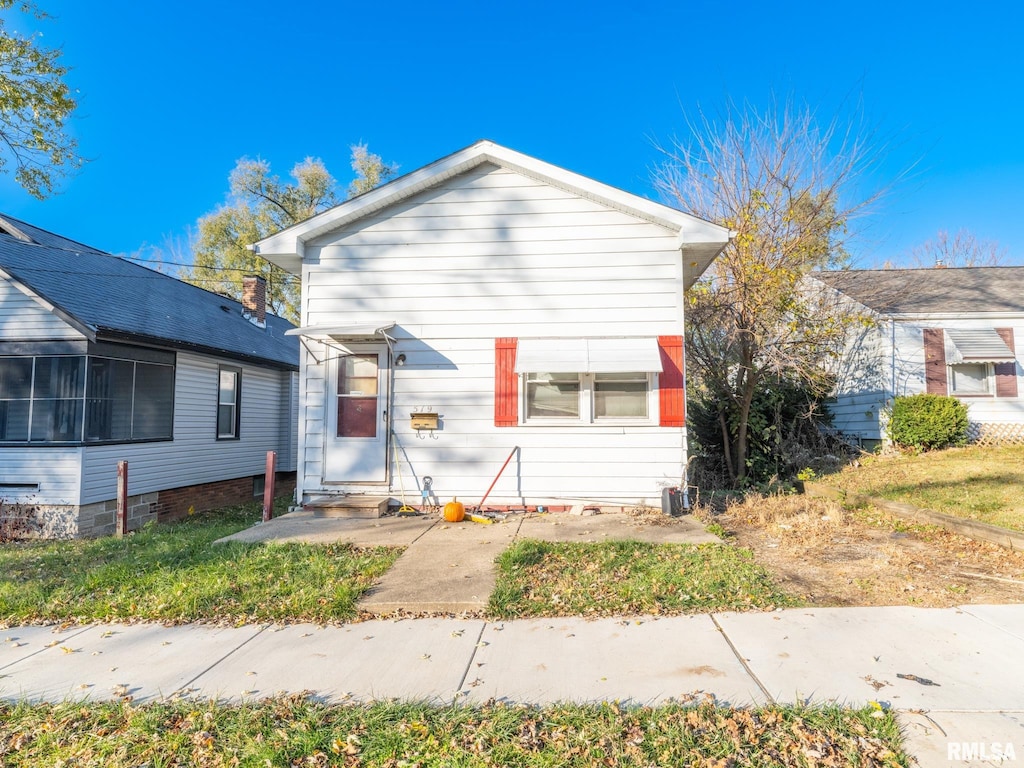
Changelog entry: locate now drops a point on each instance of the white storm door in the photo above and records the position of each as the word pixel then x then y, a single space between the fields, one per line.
pixel 356 443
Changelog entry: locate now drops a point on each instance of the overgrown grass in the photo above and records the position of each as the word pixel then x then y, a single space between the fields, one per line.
pixel 174 573
pixel 615 578
pixel 984 484
pixel 298 731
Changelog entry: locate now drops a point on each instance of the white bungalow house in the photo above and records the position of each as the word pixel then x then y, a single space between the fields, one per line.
pixel 103 360
pixel 943 331
pixel 486 306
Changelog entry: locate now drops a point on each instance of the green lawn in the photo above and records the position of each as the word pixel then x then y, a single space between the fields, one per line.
pixel 984 484
pixel 174 573
pixel 295 731
pixel 537 578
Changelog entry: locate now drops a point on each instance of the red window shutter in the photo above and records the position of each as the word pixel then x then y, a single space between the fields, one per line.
pixel 671 386
pixel 506 383
pixel 1006 373
pixel 935 361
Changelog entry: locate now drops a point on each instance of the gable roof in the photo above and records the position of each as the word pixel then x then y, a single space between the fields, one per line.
pixel 701 240
pixel 932 291
pixel 110 298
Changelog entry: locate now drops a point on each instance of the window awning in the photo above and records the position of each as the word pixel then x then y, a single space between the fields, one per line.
pixel 976 345
pixel 347 332
pixel 588 355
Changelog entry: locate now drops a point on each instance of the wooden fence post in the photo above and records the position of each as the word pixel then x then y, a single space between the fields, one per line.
pixel 268 486
pixel 122 498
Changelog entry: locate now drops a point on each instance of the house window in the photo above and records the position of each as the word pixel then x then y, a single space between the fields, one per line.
pixel 228 397
pixel 78 398
pixel 553 395
pixel 970 379
pixel 587 397
pixel 621 396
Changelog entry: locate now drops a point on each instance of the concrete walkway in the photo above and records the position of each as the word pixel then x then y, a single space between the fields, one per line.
pixel 449 567
pixel 972 656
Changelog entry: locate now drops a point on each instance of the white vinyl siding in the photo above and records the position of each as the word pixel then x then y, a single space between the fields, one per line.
pixel 55 471
pixel 195 455
pixel 485 255
pixel 22 318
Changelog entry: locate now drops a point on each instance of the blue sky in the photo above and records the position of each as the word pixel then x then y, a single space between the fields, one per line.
pixel 172 94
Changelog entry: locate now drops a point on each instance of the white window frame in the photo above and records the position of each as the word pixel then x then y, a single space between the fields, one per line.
pixel 990 380
pixel 587 417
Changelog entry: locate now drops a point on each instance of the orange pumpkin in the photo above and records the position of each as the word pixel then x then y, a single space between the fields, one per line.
pixel 454 511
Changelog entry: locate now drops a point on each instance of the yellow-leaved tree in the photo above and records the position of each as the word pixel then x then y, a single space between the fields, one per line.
pixel 790 188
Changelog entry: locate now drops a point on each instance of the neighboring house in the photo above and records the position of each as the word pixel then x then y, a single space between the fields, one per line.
pixel 953 332
pixel 488 302
pixel 103 360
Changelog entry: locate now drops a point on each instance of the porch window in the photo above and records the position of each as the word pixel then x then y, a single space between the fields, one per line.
pixel 228 398
pixel 84 398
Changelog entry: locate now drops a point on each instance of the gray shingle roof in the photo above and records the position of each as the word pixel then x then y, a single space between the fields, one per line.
pixel 121 299
pixel 928 291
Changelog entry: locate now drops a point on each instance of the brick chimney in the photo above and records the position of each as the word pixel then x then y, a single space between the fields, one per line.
pixel 254 300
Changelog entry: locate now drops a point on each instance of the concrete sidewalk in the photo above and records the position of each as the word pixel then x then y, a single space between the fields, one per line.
pixel 972 656
pixel 449 568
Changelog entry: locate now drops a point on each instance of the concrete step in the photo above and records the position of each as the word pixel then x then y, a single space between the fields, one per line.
pixel 349 506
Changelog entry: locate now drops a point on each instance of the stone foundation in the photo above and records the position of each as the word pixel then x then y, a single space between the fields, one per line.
pixel 99 519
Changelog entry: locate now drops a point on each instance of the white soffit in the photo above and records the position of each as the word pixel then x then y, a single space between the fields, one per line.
pixel 976 345
pixel 621 355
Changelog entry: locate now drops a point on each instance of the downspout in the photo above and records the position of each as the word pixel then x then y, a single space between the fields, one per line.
pixel 684 441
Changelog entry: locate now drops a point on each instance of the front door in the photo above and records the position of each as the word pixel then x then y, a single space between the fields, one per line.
pixel 355 449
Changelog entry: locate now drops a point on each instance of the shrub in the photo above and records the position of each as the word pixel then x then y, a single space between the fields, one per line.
pixel 928 422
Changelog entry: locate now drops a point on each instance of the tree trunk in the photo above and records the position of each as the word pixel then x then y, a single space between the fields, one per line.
pixel 726 449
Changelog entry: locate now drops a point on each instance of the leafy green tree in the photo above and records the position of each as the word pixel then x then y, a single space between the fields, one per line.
pixel 780 181
pixel 35 104
pixel 260 204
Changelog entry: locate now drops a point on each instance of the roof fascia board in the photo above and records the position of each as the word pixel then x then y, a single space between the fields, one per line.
pixel 86 330
pixel 943 316
pixel 290 240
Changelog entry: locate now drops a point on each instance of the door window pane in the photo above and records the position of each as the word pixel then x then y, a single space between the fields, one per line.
pixel 358 375
pixel 357 396
pixel 553 395
pixel 620 396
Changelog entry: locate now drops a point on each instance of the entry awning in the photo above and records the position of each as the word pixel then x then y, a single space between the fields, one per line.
pixel 619 355
pixel 346 332
pixel 976 345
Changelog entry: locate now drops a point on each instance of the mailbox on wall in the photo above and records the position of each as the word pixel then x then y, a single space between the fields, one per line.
pixel 424 421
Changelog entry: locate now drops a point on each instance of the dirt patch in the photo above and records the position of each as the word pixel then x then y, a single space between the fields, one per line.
pixel 831 556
